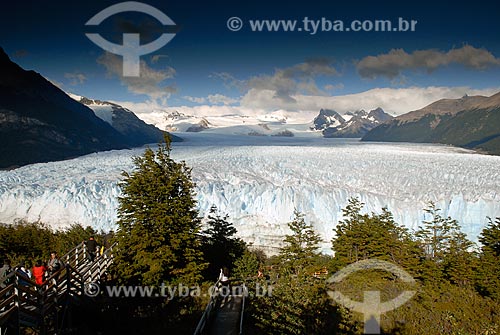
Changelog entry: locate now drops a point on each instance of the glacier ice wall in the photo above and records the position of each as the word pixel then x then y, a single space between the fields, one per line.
pixel 259 186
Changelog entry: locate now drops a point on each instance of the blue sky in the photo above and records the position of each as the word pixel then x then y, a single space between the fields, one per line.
pixel 454 50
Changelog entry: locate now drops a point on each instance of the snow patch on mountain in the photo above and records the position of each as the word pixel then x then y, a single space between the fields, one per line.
pixel 265 124
pixel 104 110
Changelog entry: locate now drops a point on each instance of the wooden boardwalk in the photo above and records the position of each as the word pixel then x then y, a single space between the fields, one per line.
pixel 43 308
pixel 227 319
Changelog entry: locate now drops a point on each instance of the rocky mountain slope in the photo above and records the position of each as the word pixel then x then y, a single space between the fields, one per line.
pixel 40 123
pixel 471 122
pixel 136 131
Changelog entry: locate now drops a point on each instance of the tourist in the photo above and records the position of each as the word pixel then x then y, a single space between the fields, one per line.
pixel 39 271
pixel 5 270
pixel 92 248
pixel 54 263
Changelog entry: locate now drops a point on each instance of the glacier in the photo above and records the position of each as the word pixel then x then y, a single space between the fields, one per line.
pixel 259 181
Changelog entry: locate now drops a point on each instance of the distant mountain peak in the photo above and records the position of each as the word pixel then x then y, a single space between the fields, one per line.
pixel 201 126
pixel 327 118
pixel 379 115
pixel 352 124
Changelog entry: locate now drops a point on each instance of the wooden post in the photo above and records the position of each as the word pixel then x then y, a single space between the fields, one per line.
pixel 76 257
pixel 17 303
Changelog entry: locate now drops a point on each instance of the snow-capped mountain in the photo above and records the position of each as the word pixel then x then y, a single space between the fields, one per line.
pixel 202 125
pixel 351 124
pixel 327 123
pixel 277 123
pixel 327 118
pixel 259 181
pixel 124 121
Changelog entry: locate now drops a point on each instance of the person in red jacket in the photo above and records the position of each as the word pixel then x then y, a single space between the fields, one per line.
pixel 39 272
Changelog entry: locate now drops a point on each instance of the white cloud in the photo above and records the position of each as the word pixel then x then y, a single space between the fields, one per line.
pixel 293 80
pixel 395 101
pixel 285 82
pixel 218 99
pixel 198 100
pixel 215 99
pixel 391 64
pixel 331 87
pixel 150 82
pixel 156 58
pixel 76 78
pixel 229 80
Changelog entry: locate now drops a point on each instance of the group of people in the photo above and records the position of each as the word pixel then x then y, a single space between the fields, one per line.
pixel 225 281
pixel 39 272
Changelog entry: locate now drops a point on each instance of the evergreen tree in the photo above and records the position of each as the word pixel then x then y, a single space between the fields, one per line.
pixel 488 281
pixel 362 236
pixel 446 249
pixel 158 222
pixel 435 236
pixel 25 241
pixel 300 249
pixel 460 262
pixel 490 238
pixel 247 266
pixel 220 246
pixel 67 239
pixel 299 303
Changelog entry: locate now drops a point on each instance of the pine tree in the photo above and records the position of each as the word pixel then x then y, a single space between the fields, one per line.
pixel 301 247
pixel 158 222
pixel 220 246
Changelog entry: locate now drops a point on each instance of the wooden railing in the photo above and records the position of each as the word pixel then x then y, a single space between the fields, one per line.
pixel 206 319
pixel 242 312
pixel 23 303
pixel 76 257
pixel 31 303
pixel 97 269
pixel 209 312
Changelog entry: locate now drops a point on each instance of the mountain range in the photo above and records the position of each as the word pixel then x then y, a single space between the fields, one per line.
pixel 40 123
pixel 471 122
pixel 351 124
